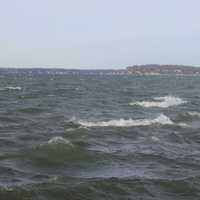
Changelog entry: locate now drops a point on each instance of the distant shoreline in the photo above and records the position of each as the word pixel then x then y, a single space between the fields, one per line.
pixel 150 69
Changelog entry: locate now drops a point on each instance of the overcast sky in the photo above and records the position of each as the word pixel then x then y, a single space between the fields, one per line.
pixel 98 33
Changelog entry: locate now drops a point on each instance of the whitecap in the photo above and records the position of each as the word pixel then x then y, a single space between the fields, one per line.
pixel 75 129
pixel 194 114
pixel 59 140
pixel 161 119
pixel 162 102
pixel 72 119
pixel 70 129
pixel 12 88
pixel 183 125
pixel 155 139
pixel 54 178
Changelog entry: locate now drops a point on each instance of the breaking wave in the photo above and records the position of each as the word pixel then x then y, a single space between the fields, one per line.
pixel 162 102
pixel 11 88
pixel 194 114
pixel 59 140
pixel 161 119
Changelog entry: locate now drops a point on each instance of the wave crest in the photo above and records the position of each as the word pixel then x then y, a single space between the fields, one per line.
pixel 11 88
pixel 194 114
pixel 162 102
pixel 59 140
pixel 161 119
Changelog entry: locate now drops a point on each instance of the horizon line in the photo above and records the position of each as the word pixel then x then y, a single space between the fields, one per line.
pixel 90 68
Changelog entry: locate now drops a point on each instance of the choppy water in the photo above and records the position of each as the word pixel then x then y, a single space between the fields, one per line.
pixel 99 137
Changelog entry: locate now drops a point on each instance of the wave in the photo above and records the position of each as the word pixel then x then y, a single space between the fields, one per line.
pixel 194 114
pixel 161 102
pixel 59 140
pixel 155 139
pixel 11 88
pixel 161 119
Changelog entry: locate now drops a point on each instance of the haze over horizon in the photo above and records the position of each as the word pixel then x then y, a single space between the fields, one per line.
pixel 98 34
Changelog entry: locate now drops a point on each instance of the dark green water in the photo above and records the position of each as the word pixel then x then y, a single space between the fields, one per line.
pixel 99 137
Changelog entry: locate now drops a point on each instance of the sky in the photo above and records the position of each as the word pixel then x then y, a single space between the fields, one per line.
pixel 89 34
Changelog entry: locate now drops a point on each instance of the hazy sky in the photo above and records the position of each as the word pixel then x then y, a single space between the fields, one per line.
pixel 99 33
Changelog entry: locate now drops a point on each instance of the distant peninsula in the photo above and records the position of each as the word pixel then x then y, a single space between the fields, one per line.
pixel 155 69
pixel 135 70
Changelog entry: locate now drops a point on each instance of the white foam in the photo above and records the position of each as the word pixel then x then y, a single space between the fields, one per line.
pixel 155 139
pixel 70 129
pixel 161 119
pixel 13 88
pixel 72 119
pixel 194 114
pixel 183 125
pixel 59 140
pixel 162 102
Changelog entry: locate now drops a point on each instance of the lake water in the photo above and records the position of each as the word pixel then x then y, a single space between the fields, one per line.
pixel 99 137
